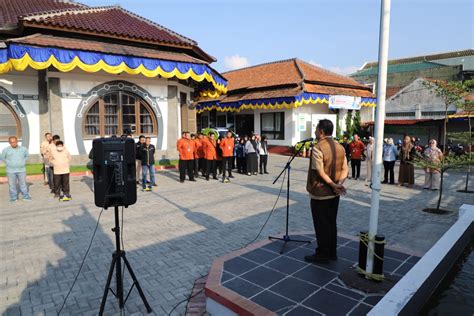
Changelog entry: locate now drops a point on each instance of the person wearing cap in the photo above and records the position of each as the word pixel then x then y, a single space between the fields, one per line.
pixel 227 147
pixel 186 149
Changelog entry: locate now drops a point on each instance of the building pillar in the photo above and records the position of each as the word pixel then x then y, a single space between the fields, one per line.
pixel 55 107
pixel 43 110
pixel 173 132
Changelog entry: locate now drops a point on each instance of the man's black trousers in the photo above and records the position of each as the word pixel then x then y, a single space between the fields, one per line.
pixel 324 219
pixel 186 165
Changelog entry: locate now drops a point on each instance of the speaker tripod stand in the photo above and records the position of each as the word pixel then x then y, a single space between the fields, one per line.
pixel 286 238
pixel 116 265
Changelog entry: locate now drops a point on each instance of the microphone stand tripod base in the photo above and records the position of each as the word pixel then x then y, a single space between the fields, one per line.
pixel 286 239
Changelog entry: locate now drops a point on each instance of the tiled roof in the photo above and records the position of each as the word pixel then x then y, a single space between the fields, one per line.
pixel 453 54
pixel 397 68
pixel 108 48
pixel 391 91
pixel 12 9
pixel 285 72
pixel 280 77
pixel 113 21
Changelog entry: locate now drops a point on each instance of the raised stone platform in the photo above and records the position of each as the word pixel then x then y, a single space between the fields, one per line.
pixel 258 280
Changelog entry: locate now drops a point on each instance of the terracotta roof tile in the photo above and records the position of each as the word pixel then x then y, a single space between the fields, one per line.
pixel 287 78
pixel 265 75
pixel 12 9
pixel 108 48
pixel 113 21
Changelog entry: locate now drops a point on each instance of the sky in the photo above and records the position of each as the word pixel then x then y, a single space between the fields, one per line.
pixel 337 35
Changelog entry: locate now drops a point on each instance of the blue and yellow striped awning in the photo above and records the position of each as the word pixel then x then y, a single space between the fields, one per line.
pixel 272 103
pixel 20 57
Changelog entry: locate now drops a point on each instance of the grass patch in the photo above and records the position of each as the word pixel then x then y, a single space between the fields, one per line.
pixel 33 169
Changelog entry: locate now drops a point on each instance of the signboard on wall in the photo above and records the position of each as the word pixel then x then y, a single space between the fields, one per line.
pixel 302 122
pixel 344 102
pixel 315 118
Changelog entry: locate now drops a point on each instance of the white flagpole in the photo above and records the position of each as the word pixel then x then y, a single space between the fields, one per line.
pixel 379 128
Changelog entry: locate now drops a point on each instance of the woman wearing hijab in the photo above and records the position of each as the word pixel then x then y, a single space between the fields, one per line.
pixel 406 176
pixel 390 154
pixel 251 150
pixel 369 157
pixel 432 175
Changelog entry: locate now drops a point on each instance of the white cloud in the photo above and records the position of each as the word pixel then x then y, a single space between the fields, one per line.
pixel 339 70
pixel 235 62
pixel 343 70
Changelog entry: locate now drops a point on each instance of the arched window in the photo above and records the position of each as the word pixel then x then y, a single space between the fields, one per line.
pixel 115 112
pixel 9 122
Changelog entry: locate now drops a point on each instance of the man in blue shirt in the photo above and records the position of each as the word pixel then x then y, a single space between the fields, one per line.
pixel 15 158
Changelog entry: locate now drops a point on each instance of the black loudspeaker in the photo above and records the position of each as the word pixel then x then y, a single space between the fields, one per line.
pixel 114 172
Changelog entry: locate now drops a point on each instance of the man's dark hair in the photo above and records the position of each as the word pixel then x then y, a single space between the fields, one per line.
pixel 326 126
pixel 147 137
pixel 46 134
pixel 56 137
pixel 141 136
pixel 59 142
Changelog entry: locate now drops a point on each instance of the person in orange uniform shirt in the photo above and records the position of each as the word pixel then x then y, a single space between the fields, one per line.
pixel 227 147
pixel 210 155
pixel 357 149
pixel 200 153
pixel 186 151
pixel 197 144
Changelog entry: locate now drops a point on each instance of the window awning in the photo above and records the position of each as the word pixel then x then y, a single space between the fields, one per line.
pixel 290 102
pixel 20 57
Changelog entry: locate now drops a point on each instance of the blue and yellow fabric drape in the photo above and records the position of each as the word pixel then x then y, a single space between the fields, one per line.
pixel 272 103
pixel 19 57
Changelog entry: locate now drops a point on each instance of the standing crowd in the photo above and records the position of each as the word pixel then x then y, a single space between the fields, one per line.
pixel 407 152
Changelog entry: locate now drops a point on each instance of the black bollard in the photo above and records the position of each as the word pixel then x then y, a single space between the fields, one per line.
pixel 378 250
pixel 363 240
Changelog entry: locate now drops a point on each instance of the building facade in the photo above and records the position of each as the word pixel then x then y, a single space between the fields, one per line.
pixel 284 100
pixel 86 72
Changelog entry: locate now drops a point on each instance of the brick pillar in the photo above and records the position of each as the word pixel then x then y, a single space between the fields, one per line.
pixel 55 107
pixel 173 132
pixel 43 110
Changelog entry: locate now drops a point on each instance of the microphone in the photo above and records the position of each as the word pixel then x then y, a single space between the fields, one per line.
pixel 307 140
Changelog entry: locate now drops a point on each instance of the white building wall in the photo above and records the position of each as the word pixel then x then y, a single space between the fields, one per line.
pixel 81 83
pixel 25 83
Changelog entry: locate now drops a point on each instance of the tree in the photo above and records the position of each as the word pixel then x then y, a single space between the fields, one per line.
pixel 349 126
pixel 451 161
pixel 466 138
pixel 338 127
pixel 452 93
pixel 356 126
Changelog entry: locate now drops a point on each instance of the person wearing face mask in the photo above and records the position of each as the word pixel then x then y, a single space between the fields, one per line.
pixel 61 159
pixel 433 155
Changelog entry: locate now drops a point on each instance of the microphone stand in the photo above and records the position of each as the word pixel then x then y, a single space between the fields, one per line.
pixel 286 238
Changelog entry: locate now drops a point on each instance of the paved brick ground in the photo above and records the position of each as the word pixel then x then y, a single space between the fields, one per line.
pixel 173 234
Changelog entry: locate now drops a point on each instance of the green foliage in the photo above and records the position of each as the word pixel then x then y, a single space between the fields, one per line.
pixel 449 162
pixel 356 125
pixel 349 126
pixel 338 127
pixel 461 137
pixel 307 145
pixel 208 130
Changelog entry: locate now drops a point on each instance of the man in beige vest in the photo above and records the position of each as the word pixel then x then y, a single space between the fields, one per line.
pixel 327 172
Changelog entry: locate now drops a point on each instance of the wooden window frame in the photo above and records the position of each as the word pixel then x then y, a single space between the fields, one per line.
pixel 138 102
pixel 19 130
pixel 274 132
